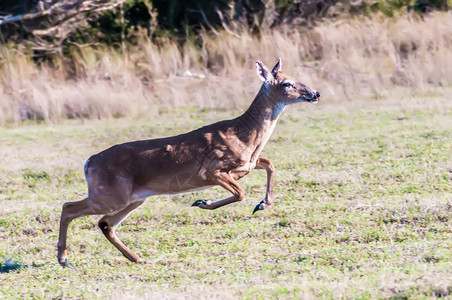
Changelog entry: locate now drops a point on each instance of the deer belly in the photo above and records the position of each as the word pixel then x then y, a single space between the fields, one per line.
pixel 185 182
pixel 173 183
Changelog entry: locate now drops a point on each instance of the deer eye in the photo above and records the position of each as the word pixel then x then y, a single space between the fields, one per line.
pixel 286 84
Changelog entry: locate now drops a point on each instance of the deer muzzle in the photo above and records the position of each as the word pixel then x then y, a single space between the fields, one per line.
pixel 313 97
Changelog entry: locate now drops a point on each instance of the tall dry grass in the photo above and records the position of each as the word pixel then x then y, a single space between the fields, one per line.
pixel 345 59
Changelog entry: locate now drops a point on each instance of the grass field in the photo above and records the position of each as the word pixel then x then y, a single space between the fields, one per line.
pixel 363 210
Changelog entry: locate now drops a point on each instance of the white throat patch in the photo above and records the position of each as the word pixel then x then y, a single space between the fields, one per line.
pixel 279 108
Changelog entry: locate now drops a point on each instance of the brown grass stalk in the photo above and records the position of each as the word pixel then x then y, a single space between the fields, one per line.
pixel 345 59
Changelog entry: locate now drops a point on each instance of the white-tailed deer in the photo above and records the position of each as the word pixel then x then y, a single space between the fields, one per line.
pixel 121 177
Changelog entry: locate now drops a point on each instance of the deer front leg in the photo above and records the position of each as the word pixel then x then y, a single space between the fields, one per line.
pixel 226 181
pixel 263 163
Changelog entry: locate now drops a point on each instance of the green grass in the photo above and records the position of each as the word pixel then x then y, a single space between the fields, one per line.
pixel 363 210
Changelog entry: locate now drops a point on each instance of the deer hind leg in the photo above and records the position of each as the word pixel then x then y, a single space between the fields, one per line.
pixel 71 211
pixel 263 163
pixel 108 226
pixel 226 181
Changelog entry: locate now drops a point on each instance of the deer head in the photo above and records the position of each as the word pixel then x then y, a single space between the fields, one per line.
pixel 283 89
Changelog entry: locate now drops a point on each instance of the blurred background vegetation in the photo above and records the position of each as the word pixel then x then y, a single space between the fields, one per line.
pixel 82 58
pixel 117 21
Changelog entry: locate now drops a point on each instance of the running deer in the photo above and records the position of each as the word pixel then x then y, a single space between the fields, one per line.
pixel 121 177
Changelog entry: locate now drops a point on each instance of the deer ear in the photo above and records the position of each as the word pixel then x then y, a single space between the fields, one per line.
pixel 277 68
pixel 264 73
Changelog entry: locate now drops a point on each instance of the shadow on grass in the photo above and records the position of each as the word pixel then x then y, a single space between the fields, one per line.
pixel 8 265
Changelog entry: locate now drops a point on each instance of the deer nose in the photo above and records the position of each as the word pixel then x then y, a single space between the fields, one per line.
pixel 317 94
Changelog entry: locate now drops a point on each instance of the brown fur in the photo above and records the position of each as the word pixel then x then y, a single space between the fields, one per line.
pixel 121 177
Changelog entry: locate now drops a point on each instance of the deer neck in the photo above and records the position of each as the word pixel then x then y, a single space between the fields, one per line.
pixel 261 111
pixel 255 126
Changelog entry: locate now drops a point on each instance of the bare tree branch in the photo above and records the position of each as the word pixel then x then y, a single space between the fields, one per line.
pixel 46 15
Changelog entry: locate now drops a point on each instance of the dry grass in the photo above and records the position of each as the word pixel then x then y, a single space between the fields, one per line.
pixel 343 59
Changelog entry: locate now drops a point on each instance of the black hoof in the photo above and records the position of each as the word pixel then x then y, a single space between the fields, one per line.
pixel 256 209
pixel 199 202
pixel 66 264
pixel 260 206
